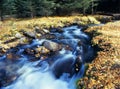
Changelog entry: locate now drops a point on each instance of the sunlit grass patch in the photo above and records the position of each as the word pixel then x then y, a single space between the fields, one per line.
pixel 12 25
pixel 104 69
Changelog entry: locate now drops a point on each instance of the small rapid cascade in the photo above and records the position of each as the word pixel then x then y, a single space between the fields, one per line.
pixel 48 63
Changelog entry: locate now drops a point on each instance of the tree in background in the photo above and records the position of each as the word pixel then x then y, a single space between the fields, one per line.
pixel 63 7
pixel 94 4
pixel 21 7
pixel 9 7
pixel 32 8
pixel 1 9
pixel 69 6
pixel 88 5
pixel 43 7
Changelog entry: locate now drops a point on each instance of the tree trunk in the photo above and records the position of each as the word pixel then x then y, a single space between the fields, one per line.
pixel 92 9
pixel 1 15
pixel 84 11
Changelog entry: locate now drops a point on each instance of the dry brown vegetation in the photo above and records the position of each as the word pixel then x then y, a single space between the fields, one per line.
pixel 104 71
pixel 14 25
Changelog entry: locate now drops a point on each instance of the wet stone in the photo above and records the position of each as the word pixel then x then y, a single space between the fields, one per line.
pixel 2 74
pixel 67 47
pixel 38 35
pixel 78 64
pixel 43 31
pixel 63 66
pixel 48 36
pixel 58 30
pixel 2 77
pixel 29 34
pixel 2 51
pixel 12 57
pixel 34 58
pixel 29 51
pixel 41 50
pixel 8 72
pixel 36 28
pixel 52 46
pixel 46 31
pixel 18 35
pixel 22 40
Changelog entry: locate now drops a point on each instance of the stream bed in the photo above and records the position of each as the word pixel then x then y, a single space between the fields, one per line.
pixel 54 62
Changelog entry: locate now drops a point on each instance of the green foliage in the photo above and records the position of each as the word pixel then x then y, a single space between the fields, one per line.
pixel 68 6
pixel 32 8
pixel 9 7
pixel 43 7
pixel 1 9
pixel 21 8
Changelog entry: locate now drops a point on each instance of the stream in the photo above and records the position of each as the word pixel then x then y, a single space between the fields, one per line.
pixel 55 63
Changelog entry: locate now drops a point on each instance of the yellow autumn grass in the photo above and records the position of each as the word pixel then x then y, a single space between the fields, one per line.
pixel 103 72
pixel 44 22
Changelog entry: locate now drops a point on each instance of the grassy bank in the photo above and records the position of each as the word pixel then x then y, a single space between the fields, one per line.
pixel 11 26
pixel 104 71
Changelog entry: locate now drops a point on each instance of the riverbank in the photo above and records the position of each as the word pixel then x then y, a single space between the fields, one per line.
pixel 104 71
pixel 45 22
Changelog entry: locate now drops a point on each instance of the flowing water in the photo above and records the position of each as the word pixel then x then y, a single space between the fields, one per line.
pixel 60 70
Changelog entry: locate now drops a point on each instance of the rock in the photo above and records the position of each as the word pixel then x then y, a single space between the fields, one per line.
pixel 12 57
pixel 48 36
pixel 78 64
pixel 2 73
pixel 46 31
pixel 43 31
pixel 11 40
pixel 42 50
pixel 67 47
pixel 63 66
pixel 52 46
pixel 18 35
pixel 40 31
pixel 60 30
pixel 2 77
pixel 4 46
pixel 23 40
pixel 10 73
pixel 29 51
pixel 29 34
pixel 43 57
pixel 2 51
pixel 92 20
pixel 38 35
pixel 36 28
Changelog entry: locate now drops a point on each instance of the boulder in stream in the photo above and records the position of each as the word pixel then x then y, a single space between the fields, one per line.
pixel 12 57
pixel 41 50
pixel 52 46
pixel 43 31
pixel 29 34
